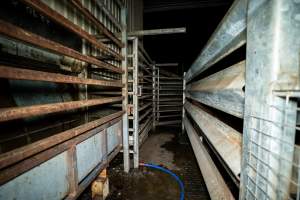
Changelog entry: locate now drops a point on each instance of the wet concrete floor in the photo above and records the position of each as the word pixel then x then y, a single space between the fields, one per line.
pixel 161 148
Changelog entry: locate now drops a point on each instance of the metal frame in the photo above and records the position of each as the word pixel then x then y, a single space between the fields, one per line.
pixel 168 110
pixel 141 104
pixel 70 160
pixel 268 159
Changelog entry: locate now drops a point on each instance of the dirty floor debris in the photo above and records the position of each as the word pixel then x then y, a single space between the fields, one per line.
pixel 161 148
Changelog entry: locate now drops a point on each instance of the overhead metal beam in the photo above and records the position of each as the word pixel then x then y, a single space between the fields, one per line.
pixel 225 140
pixel 167 64
pixel 163 6
pixel 222 90
pixel 214 181
pixel 158 32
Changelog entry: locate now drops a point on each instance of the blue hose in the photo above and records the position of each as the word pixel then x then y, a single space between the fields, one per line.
pixel 168 172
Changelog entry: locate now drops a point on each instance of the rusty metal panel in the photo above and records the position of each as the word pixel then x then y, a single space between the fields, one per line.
pixel 89 154
pixel 224 139
pixel 46 181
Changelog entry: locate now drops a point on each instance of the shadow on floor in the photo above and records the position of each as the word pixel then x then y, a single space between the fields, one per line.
pixel 161 148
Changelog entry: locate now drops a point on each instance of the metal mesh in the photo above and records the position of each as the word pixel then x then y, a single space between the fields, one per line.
pixel 272 157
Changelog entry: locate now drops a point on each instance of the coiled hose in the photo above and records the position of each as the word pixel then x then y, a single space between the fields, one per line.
pixel 170 173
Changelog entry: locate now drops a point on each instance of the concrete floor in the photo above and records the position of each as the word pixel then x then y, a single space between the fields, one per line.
pixel 160 148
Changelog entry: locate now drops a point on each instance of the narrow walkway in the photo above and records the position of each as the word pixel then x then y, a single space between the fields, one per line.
pixel 160 148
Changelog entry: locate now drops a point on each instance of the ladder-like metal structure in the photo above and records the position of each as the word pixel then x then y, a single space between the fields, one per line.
pixel 140 97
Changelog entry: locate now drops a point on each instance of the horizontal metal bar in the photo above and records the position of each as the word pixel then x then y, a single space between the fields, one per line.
pixel 169 89
pixel 214 181
pixel 228 101
pixel 119 93
pixel 169 105
pixel 171 94
pixel 167 64
pixel 158 32
pixel 222 90
pixel 169 99
pixel 143 125
pixel 145 114
pixel 107 12
pixel 26 74
pixel 145 96
pixel 96 22
pixel 142 107
pixel 170 83
pixel 166 78
pixel 229 36
pixel 162 123
pixel 230 78
pixel 60 19
pixel 143 58
pixel 169 116
pixel 31 38
pixel 148 79
pixel 182 6
pixel 7 114
pixel 145 132
pixel 164 111
pixel 225 140
pixel 145 54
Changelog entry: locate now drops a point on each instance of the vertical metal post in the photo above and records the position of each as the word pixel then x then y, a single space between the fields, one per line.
pixel 73 175
pixel 273 46
pixel 154 97
pixel 135 104
pixel 183 101
pixel 125 91
pixel 157 91
pixel 83 95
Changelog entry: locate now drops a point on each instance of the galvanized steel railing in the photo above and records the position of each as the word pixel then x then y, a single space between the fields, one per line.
pixel 262 90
